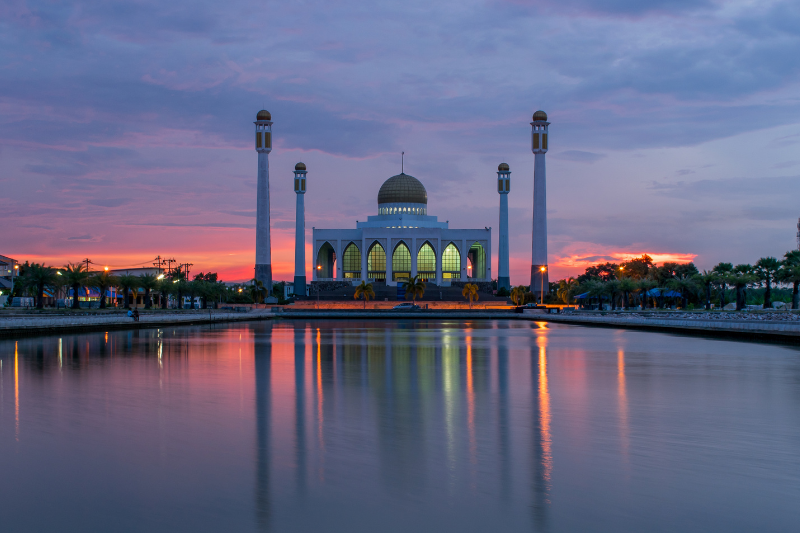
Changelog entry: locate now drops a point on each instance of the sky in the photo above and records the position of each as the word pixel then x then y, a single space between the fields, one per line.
pixel 126 128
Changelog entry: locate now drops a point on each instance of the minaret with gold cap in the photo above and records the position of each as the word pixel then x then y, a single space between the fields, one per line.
pixel 263 147
pixel 300 230
pixel 539 268
pixel 503 187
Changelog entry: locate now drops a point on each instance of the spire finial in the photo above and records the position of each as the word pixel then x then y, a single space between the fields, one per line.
pixel 402 162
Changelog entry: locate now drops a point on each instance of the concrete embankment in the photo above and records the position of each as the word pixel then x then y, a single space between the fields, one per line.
pixel 43 324
pixel 783 330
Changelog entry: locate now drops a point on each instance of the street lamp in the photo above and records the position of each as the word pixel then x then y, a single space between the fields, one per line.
pixel 159 277
pixel 105 268
pixel 542 269
pixel 13 273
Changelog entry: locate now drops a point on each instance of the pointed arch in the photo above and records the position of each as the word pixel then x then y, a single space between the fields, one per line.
pixel 351 261
pixel 326 261
pixel 476 261
pixel 451 262
pixel 426 261
pixel 401 262
pixel 376 262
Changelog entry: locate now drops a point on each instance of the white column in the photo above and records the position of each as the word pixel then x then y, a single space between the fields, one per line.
pixel 263 254
pixel 439 254
pixel 300 246
pixel 503 275
pixel 413 257
pixel 539 244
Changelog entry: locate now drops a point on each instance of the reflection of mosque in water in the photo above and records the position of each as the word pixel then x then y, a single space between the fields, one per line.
pixel 434 407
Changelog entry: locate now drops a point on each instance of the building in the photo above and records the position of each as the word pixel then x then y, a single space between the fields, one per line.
pixel 402 241
pixel 539 267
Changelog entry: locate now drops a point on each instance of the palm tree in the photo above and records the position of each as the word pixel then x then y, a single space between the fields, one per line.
pixel 415 288
pixel 790 273
pixel 38 277
pixel 364 291
pixel 612 288
pixel 596 289
pixel 723 271
pixel 77 276
pixel 518 294
pixel 470 292
pixel 566 289
pixel 257 290
pixel 645 285
pixel 684 286
pixel 127 283
pixel 707 280
pixel 740 278
pixel 626 286
pixel 103 281
pixel 148 282
pixel 766 269
pixel 165 286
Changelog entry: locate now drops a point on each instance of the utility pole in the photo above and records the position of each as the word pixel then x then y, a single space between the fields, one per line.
pixel 87 261
pixel 169 262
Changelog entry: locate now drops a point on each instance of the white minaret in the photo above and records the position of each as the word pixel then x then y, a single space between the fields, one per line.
pixel 503 186
pixel 539 270
pixel 300 230
pixel 263 147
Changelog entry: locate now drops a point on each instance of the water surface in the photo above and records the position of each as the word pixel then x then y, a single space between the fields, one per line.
pixel 350 426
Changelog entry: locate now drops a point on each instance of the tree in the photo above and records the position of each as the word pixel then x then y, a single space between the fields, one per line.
pixel 76 277
pixel 257 290
pixel 790 273
pixel 740 278
pixel 179 286
pixel 612 288
pixel 148 282
pixel 626 285
pixel 127 283
pixel 364 291
pixel 637 268
pixel 38 277
pixel 722 271
pixel 766 270
pixel 518 294
pixel 707 280
pixel 415 288
pixel 470 292
pixel 605 272
pixel 566 289
pixel 645 285
pixel 103 281
pixel 683 286
pixel 165 287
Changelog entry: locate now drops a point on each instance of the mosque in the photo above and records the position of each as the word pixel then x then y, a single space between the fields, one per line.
pixel 403 241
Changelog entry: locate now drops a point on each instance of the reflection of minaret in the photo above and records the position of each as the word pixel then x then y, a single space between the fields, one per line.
pixel 503 187
pixel 542 454
pixel 263 147
pixel 502 419
pixel 300 230
pixel 539 271
pixel 263 362
pixel 300 405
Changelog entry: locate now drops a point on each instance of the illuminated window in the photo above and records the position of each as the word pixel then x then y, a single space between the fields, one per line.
pixel 268 139
pixel 351 261
pixel 477 260
pixel 376 262
pixel 535 141
pixel 451 262
pixel 426 262
pixel 401 262
pixel 544 141
pixel 258 139
pixel 303 185
pixel 296 184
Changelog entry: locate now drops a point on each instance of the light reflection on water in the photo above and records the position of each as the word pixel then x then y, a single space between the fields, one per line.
pixel 378 426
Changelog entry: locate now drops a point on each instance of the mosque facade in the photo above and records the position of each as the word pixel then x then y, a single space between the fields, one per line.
pixel 402 241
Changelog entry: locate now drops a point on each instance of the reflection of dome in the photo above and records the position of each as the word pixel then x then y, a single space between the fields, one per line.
pixel 540 115
pixel 503 167
pixel 300 166
pixel 402 189
pixel 263 115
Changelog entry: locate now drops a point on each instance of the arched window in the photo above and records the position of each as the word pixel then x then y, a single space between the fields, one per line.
pixel 476 267
pixel 351 261
pixel 426 262
pixel 451 262
pixel 401 263
pixel 376 262
pixel 326 262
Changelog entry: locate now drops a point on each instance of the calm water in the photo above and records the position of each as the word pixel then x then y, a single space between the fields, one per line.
pixel 409 426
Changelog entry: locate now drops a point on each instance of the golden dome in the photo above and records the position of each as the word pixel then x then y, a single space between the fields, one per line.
pixel 263 115
pixel 503 167
pixel 402 189
pixel 300 166
pixel 540 115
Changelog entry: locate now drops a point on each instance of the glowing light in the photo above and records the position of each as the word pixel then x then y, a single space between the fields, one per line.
pixel 105 268
pixel 542 269
pixel 159 277
pixel 57 272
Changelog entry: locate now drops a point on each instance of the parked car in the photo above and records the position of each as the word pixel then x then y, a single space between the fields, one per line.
pixel 406 306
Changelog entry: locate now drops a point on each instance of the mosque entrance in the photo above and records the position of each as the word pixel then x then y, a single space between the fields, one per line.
pixel 326 262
